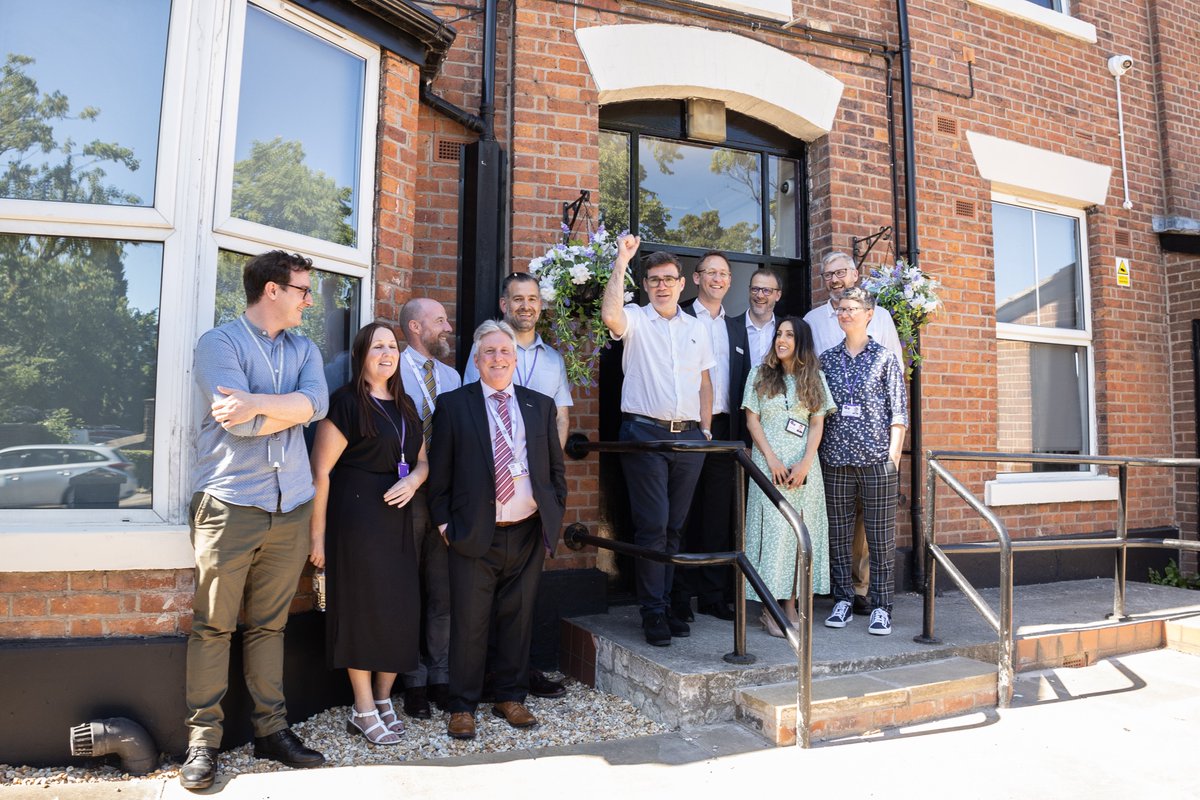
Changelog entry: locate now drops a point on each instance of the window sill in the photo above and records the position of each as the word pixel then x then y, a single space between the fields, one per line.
pixel 1039 491
pixel 1053 20
pixel 98 548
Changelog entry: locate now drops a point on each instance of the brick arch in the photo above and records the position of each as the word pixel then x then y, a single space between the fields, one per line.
pixel 660 62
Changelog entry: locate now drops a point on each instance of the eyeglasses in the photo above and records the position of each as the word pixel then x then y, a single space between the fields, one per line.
pixel 851 310
pixel 662 280
pixel 836 273
pixel 712 273
pixel 762 290
pixel 306 289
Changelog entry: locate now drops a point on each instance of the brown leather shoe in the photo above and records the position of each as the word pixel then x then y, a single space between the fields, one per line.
pixel 461 725
pixel 514 714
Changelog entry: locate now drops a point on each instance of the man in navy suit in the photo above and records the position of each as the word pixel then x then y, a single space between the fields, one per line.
pixel 497 492
pixel 710 523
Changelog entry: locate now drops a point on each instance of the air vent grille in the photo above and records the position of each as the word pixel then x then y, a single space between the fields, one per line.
pixel 447 150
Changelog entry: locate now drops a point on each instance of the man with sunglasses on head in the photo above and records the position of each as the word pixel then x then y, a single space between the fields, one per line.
pixel 667 395
pixel 839 274
pixel 249 515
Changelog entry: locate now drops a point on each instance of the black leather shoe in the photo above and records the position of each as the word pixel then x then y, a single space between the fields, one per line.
pixel 286 748
pixel 416 703
pixel 658 633
pixel 678 627
pixel 439 695
pixel 860 605
pixel 719 610
pixel 541 686
pixel 682 609
pixel 199 769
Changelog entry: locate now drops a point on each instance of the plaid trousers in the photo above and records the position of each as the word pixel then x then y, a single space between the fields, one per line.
pixel 877 485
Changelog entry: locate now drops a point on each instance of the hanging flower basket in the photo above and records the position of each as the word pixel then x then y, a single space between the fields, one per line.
pixel 572 278
pixel 910 296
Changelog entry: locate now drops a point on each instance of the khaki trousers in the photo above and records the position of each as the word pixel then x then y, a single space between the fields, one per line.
pixel 860 556
pixel 243 555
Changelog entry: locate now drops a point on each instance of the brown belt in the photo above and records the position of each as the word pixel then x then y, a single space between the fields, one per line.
pixel 531 517
pixel 673 425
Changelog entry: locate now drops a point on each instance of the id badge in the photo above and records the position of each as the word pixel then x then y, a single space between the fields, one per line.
pixel 517 469
pixel 275 453
pixel 402 469
pixel 852 410
pixel 796 427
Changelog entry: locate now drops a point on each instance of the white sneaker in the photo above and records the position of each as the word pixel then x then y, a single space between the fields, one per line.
pixel 842 613
pixel 881 622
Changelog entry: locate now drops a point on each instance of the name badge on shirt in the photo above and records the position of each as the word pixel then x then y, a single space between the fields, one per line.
pixel 852 410
pixel 518 469
pixel 796 427
pixel 401 469
pixel 275 452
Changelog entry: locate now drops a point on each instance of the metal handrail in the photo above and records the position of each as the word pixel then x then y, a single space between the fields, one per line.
pixel 800 636
pixel 1002 623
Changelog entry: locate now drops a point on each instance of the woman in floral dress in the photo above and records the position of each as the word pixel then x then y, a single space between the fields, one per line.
pixel 786 401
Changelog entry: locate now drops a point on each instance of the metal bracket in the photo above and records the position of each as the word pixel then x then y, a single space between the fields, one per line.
pixel 571 211
pixel 884 234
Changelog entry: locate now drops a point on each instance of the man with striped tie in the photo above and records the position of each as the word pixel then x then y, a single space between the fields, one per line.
pixel 424 325
pixel 497 492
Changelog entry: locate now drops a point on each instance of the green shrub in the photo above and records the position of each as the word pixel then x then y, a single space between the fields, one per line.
pixel 1172 576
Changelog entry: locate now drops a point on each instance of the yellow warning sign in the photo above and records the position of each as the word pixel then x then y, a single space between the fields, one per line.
pixel 1122 271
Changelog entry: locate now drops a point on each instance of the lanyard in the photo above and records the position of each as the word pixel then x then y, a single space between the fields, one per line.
pixel 400 432
pixel 852 386
pixel 416 370
pixel 508 437
pixel 277 372
pixel 524 380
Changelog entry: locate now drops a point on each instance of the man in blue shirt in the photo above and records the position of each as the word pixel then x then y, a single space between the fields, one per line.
pixel 251 507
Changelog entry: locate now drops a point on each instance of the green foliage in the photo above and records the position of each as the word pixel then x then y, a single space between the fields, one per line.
pixel 26 130
pixel 274 187
pixel 1173 576
pixel 143 466
pixel 911 297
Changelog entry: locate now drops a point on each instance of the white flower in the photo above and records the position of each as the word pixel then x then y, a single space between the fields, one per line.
pixel 536 265
pixel 549 293
pixel 629 297
pixel 580 274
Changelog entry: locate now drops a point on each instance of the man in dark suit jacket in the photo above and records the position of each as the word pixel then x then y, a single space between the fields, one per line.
pixel 710 523
pixel 497 492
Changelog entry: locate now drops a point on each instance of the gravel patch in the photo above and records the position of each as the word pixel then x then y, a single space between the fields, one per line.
pixel 582 715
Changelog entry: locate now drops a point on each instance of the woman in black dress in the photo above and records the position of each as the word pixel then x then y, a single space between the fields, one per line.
pixel 368 460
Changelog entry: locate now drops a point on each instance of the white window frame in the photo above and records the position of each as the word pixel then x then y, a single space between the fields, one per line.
pixel 1026 488
pixel 189 184
pixel 1053 20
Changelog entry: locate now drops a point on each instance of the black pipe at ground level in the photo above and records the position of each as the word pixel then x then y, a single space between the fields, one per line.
pixel 117 736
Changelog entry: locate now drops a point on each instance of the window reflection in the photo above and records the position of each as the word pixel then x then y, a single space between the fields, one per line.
pixel 331 322
pixel 785 208
pixel 77 124
pixel 1037 268
pixel 78 359
pixel 709 197
pixel 1042 396
pixel 297 170
pixel 614 181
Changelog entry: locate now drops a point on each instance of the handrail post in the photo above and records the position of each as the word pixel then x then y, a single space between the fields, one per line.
pixel 927 626
pixel 1122 536
pixel 738 656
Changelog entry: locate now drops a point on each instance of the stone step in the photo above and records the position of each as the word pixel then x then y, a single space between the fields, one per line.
pixel 844 705
pixel 1183 635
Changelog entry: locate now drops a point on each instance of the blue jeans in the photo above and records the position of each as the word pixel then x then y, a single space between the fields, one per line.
pixel 660 486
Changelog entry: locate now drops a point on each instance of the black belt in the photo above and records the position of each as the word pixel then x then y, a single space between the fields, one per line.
pixel 673 425
pixel 530 518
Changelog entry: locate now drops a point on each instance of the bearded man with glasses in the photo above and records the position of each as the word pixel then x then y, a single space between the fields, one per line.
pixel 667 394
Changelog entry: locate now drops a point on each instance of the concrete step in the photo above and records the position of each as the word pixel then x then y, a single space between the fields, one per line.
pixel 845 705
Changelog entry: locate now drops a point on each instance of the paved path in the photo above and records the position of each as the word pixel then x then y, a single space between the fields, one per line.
pixel 1123 728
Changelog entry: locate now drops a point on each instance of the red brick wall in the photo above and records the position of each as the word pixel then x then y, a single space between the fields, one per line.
pixel 86 604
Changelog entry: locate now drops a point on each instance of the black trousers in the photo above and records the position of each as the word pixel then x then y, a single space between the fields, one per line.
pixel 710 526
pixel 503 582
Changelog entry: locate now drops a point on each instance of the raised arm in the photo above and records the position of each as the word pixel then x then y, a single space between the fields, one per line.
pixel 612 308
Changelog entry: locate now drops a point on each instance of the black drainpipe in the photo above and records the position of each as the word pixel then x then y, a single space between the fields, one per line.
pixel 913 251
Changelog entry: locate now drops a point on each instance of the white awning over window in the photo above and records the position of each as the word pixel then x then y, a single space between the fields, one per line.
pixel 1039 174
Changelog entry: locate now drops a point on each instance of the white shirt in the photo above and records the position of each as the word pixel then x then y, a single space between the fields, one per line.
pixel 827 333
pixel 444 377
pixel 539 367
pixel 522 503
pixel 719 374
pixel 761 339
pixel 663 363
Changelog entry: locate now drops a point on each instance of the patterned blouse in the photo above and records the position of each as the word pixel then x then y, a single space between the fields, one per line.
pixel 871 397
